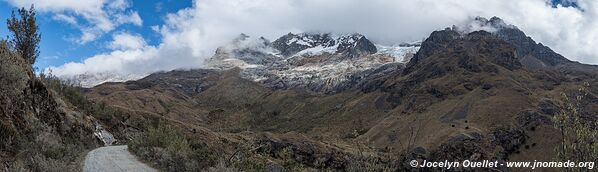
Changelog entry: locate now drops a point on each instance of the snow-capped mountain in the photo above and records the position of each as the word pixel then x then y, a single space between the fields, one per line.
pixel 321 62
pixel 310 44
pixel 245 52
pixel 90 80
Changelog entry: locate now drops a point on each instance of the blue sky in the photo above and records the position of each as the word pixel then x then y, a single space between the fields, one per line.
pixel 58 47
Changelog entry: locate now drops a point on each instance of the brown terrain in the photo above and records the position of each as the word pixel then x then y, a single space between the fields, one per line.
pixel 473 96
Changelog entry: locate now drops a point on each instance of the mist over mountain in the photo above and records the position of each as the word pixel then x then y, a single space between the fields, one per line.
pixel 190 36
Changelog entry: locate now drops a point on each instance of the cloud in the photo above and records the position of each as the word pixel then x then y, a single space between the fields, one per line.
pixel 126 41
pixel 65 18
pixel 191 35
pixel 99 16
pixel 132 18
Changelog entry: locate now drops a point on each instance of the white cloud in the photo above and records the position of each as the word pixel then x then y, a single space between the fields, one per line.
pixel 132 18
pixel 65 18
pixel 126 41
pixel 100 16
pixel 191 35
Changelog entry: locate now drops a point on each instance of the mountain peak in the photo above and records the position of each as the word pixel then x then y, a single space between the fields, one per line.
pixel 482 31
pixel 351 45
pixel 474 52
pixel 321 62
pixel 531 54
pixel 244 51
pixel 493 25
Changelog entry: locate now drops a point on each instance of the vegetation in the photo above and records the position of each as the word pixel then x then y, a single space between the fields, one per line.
pixel 111 117
pixel 578 135
pixel 170 150
pixel 25 34
pixel 35 133
pixel 70 91
pixel 13 81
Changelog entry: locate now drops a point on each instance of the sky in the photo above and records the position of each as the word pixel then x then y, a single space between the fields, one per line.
pixel 132 38
pixel 62 41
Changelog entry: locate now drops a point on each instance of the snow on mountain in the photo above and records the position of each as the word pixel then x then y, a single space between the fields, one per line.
pixel 245 52
pixel 319 62
pixel 317 50
pixel 310 44
pixel 91 80
pixel 402 52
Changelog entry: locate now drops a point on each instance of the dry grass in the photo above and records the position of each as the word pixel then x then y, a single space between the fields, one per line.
pixel 36 134
pixel 168 149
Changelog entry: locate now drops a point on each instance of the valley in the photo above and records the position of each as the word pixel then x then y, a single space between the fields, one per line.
pixel 462 95
pixel 482 91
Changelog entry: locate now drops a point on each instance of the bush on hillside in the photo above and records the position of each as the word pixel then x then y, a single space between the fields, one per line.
pixel 13 80
pixel 29 144
pixel 578 135
pixel 168 149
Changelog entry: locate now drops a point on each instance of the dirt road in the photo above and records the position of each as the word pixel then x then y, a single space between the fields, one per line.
pixel 113 158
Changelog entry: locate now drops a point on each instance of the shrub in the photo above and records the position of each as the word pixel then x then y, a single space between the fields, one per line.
pixel 221 167
pixel 13 76
pixel 13 81
pixel 170 150
pixel 578 135
pixel 46 153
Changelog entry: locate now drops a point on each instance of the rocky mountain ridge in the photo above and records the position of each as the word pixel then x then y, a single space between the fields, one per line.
pixel 319 62
pixel 531 54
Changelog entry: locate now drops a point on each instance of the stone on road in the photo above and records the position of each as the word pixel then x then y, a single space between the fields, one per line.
pixel 113 159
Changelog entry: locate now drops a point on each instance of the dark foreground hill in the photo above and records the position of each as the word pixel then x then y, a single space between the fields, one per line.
pixel 39 131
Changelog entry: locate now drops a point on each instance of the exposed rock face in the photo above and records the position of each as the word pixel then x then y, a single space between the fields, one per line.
pixel 531 54
pixel 437 40
pixel 323 63
pixel 245 52
pixel 291 44
pixel 353 45
pixel 103 135
pixel 469 49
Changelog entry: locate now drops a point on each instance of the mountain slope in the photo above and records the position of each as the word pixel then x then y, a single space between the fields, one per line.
pixel 459 86
pixel 463 95
pixel 39 131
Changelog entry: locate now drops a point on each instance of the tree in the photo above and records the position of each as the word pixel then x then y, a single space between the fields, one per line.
pixel 25 34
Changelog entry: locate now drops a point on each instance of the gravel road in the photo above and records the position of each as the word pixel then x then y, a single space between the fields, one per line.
pixel 114 159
